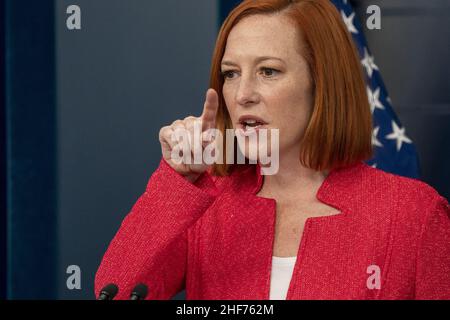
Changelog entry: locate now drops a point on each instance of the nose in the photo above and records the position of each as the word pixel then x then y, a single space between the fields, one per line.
pixel 246 93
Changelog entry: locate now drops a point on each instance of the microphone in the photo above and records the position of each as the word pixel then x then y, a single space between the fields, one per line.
pixel 108 292
pixel 139 292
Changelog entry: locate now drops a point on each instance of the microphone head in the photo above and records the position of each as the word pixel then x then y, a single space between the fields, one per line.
pixel 109 291
pixel 140 291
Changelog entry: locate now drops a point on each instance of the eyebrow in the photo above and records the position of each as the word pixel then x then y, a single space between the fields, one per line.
pixel 258 60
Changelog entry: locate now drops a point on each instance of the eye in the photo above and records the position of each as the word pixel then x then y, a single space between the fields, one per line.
pixel 228 74
pixel 269 72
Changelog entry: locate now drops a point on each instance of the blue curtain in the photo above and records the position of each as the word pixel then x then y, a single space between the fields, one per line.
pixel 2 157
pixel 30 149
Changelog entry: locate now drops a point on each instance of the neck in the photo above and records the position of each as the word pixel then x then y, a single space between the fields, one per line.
pixel 293 178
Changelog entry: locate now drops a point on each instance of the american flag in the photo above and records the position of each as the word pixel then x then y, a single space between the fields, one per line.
pixel 394 150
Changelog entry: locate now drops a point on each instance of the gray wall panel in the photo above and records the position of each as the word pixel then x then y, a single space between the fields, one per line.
pixel 134 67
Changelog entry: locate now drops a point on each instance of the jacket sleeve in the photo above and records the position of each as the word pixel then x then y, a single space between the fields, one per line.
pixel 150 246
pixel 433 257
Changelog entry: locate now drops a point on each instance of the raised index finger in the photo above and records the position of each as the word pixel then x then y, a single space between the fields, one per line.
pixel 210 110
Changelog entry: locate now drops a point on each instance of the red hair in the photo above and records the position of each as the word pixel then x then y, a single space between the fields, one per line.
pixel 339 132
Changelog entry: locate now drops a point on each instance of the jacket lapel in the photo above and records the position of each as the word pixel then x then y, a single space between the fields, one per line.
pixel 240 248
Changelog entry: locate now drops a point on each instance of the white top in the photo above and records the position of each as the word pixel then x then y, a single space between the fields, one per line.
pixel 280 278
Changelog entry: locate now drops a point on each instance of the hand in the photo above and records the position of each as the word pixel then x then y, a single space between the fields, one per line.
pixel 168 142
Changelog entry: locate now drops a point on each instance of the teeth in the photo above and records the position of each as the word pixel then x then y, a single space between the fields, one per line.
pixel 251 125
pixel 247 128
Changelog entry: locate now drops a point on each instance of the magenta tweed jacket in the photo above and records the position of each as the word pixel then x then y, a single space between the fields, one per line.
pixel 214 238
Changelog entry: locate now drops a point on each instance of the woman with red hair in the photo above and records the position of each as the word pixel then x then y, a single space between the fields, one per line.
pixel 325 225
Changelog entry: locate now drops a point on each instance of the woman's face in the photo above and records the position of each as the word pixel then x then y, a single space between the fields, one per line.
pixel 266 76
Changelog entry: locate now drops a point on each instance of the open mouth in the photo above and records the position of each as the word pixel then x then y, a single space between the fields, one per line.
pixel 250 126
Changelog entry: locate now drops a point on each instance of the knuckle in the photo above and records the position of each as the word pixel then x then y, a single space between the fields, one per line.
pixel 190 124
pixel 167 133
pixel 178 125
pixel 162 131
